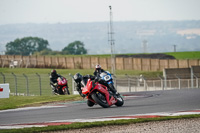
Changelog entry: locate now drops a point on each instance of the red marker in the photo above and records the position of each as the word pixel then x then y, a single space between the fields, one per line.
pixel 1 89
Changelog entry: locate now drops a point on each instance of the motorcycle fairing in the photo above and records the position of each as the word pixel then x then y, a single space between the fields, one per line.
pixel 107 77
pixel 90 87
pixel 87 88
pixel 62 81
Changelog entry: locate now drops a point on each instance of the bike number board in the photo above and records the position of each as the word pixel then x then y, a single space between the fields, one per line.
pixel 107 77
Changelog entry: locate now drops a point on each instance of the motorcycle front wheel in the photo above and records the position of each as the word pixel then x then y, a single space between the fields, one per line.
pixel 120 101
pixel 100 99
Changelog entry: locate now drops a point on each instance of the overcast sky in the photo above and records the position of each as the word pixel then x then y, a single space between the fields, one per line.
pixel 67 11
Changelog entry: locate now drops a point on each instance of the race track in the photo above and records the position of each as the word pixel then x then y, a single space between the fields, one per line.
pixel 135 103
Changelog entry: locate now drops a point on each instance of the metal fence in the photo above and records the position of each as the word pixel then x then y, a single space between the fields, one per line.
pixel 29 84
pixel 39 84
pixel 140 83
pixel 127 83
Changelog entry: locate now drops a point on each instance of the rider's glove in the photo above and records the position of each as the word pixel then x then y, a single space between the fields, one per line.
pixel 55 84
pixel 96 79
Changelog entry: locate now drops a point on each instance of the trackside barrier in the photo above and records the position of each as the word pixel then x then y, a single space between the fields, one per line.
pixel 127 83
pixel 190 75
pixel 39 84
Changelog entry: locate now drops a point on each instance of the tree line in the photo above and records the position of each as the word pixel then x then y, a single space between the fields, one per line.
pixel 39 46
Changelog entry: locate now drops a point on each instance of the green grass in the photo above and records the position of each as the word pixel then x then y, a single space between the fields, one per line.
pixel 79 125
pixel 44 71
pixel 22 101
pixel 65 72
pixel 185 55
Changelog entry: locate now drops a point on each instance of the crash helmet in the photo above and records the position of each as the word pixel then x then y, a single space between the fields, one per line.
pixel 53 72
pixel 78 77
pixel 98 67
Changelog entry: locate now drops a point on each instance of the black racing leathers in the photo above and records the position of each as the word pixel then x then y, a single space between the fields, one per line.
pixel 53 80
pixel 98 72
pixel 110 86
pixel 82 83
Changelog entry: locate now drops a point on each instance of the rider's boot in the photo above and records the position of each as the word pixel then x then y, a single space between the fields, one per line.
pixel 114 91
pixel 55 91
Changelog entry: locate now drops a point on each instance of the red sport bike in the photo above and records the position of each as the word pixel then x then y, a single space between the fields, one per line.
pixel 97 93
pixel 62 87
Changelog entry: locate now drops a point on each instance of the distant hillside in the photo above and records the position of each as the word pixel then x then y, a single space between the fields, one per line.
pixel 128 36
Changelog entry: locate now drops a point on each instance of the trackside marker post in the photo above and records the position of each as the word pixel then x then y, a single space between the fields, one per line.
pixel 4 90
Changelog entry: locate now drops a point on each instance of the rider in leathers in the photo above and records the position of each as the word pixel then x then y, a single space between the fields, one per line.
pixel 79 79
pixel 53 80
pixel 97 72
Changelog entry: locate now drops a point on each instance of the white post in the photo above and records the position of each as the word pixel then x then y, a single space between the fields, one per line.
pixel 4 90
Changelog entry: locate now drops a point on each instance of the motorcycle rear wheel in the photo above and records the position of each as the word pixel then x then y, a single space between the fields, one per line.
pixel 90 103
pixel 100 99
pixel 66 91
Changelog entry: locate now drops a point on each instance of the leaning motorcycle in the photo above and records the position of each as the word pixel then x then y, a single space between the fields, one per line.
pixel 62 87
pixel 97 93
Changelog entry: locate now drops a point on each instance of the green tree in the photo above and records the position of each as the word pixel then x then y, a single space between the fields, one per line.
pixel 47 51
pixel 26 46
pixel 75 48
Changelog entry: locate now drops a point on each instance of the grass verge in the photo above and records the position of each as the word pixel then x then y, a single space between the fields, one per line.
pixel 185 55
pixel 23 101
pixel 79 125
pixel 65 72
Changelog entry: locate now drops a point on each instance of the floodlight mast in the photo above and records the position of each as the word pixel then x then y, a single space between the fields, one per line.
pixel 111 41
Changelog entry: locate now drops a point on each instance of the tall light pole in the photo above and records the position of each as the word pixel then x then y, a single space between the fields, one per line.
pixel 144 46
pixel 174 48
pixel 111 41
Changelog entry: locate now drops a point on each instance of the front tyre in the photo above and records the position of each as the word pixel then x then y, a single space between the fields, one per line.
pixel 120 101
pixel 100 99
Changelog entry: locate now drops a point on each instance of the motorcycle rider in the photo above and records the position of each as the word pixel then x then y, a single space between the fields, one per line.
pixel 97 72
pixel 79 79
pixel 53 80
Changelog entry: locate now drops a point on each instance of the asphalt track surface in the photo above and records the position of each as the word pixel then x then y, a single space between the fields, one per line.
pixel 135 103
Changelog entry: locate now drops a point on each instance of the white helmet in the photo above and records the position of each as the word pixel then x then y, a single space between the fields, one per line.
pixel 98 67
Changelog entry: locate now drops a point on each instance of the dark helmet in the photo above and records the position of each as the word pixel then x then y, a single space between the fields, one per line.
pixel 78 77
pixel 53 72
pixel 98 67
